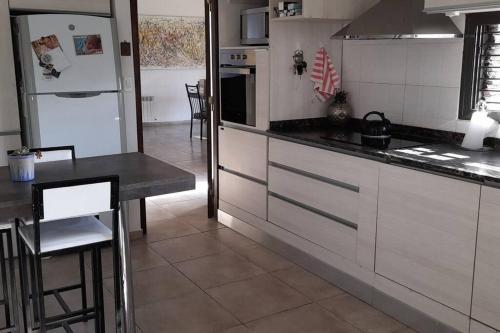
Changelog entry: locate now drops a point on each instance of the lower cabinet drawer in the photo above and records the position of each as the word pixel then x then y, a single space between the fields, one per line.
pixel 334 199
pixel 318 229
pixel 243 193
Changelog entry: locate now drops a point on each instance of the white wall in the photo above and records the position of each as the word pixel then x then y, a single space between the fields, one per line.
pixel 167 85
pixel 414 82
pixel 292 95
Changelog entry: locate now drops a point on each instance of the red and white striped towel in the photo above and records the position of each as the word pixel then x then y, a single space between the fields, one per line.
pixel 324 76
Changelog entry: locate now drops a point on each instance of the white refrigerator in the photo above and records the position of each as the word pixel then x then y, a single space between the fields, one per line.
pixel 70 87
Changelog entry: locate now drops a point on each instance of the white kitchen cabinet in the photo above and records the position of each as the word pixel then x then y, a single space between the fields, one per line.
pixel 74 6
pixel 263 89
pixel 338 186
pixel 486 296
pixel 477 327
pixel 443 6
pixel 318 229
pixel 243 152
pixel 243 193
pixel 426 234
pixel 329 9
pixel 9 110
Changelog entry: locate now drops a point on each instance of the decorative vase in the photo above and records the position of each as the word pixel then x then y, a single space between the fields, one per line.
pixel 22 167
pixel 339 113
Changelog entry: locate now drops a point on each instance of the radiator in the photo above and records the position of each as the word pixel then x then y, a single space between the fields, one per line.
pixel 148 114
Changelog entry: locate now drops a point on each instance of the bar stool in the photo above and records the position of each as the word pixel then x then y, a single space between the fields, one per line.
pixel 9 300
pixel 65 222
pixel 54 154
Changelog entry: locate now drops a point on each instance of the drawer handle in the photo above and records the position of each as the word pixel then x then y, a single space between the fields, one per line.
pixel 316 177
pixel 331 217
pixel 236 173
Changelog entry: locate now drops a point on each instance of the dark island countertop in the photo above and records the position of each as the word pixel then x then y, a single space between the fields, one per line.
pixel 451 160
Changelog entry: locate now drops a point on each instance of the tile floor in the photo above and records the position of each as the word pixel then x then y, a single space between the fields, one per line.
pixel 192 274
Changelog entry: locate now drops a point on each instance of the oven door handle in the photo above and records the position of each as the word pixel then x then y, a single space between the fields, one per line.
pixel 237 71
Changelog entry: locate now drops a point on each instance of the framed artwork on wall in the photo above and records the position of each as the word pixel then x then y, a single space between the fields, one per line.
pixel 171 42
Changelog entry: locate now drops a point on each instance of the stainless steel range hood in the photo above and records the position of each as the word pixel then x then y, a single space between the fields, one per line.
pixel 399 19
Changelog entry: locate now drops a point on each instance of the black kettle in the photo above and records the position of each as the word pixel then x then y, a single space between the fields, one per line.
pixel 376 133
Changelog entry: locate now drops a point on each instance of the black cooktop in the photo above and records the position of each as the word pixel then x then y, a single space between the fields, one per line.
pixel 355 139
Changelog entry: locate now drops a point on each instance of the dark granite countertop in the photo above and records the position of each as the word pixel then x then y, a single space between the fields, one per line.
pixel 446 159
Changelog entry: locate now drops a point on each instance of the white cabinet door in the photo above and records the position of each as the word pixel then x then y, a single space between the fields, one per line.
pixel 337 184
pixel 243 193
pixel 318 229
pixel 263 89
pixel 426 234
pixel 79 6
pixel 243 152
pixel 9 111
pixel 486 300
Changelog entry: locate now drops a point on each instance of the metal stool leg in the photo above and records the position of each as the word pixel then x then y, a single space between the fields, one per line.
pixel 38 291
pixel 24 279
pixel 10 256
pixel 100 289
pixel 83 283
pixel 5 286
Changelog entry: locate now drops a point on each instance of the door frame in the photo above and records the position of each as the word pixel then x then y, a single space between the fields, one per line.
pixel 211 95
pixel 212 79
pixel 134 19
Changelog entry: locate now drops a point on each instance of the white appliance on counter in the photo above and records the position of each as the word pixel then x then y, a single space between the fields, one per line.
pixel 70 88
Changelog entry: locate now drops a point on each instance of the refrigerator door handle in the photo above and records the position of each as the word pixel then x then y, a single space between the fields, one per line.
pixel 78 94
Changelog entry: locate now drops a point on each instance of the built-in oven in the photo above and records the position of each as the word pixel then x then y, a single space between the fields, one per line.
pixel 237 86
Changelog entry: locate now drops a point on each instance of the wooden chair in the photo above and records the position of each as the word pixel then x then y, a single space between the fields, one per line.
pixel 198 108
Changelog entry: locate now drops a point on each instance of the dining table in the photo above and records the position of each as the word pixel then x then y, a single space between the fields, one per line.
pixel 141 176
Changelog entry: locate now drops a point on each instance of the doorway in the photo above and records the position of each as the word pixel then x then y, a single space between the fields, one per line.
pixel 170 41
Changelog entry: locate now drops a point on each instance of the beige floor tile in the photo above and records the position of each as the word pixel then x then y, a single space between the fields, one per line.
pixel 219 269
pixel 360 314
pixel 232 239
pixel 141 256
pixel 309 318
pixel 307 283
pixel 157 284
pixel 202 222
pixel 166 229
pixel 189 207
pixel 257 297
pixel 157 213
pixel 406 330
pixel 191 313
pixel 60 271
pixel 238 329
pixel 264 258
pixel 189 247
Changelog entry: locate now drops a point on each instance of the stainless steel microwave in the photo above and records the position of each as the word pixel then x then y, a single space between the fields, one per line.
pixel 255 26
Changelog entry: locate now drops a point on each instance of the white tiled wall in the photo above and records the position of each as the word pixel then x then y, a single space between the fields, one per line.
pixel 414 82
pixel 292 95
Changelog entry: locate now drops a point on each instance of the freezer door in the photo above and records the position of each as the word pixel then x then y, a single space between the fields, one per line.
pixel 91 123
pixel 92 71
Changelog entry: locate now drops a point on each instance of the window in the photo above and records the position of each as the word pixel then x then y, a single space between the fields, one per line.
pixel 481 63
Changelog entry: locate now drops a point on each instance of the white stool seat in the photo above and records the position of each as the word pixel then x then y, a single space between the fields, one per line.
pixel 66 234
pixel 5 225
